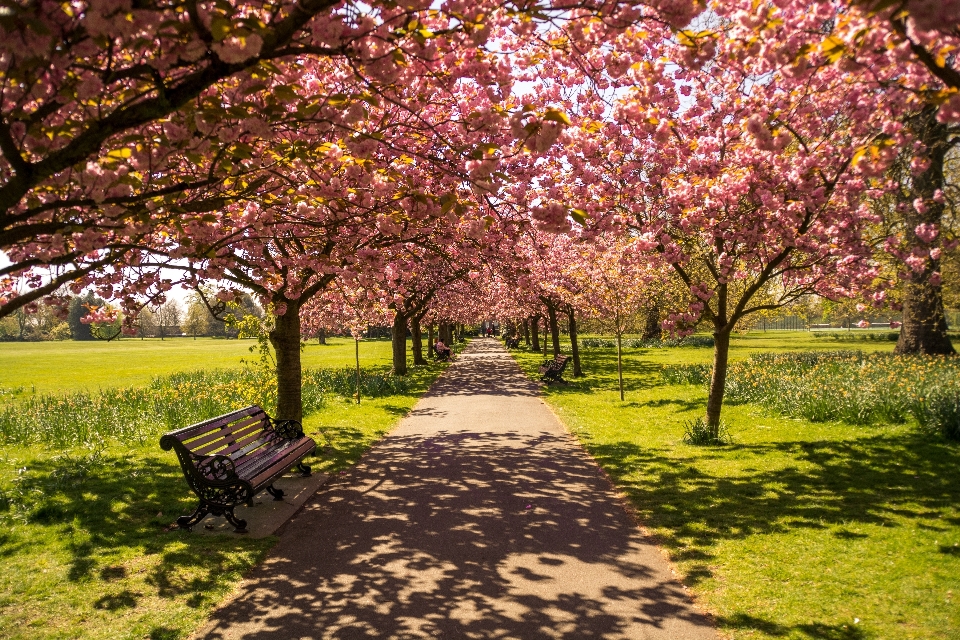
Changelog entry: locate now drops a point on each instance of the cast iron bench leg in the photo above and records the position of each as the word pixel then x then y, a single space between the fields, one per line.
pixel 239 526
pixel 276 493
pixel 304 470
pixel 187 522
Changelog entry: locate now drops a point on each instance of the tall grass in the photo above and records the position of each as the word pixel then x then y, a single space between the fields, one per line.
pixel 136 414
pixel 657 343
pixel 843 385
pixel 854 336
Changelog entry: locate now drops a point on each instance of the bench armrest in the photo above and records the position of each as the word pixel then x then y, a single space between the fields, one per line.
pixel 287 429
pixel 215 468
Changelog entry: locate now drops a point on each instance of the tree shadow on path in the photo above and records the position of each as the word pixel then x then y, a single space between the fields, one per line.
pixel 452 529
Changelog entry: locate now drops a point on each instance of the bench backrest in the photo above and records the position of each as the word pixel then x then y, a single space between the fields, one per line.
pixel 233 434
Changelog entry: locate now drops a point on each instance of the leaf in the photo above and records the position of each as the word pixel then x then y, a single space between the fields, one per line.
pixel 243 150
pixel 447 201
pixel 120 153
pixel 285 93
pixel 858 155
pixel 338 100
pixel 833 48
pixel 272 68
pixel 220 28
pixel 579 215
pixel 254 88
pixel 399 58
pixel 555 115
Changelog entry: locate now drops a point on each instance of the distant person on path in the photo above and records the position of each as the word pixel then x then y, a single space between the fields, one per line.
pixel 443 351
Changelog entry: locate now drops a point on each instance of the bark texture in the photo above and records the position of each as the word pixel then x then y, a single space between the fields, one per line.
pixel 417 341
pixel 574 346
pixel 924 327
pixel 718 382
pixel 554 328
pixel 398 337
pixel 651 324
pixel 285 339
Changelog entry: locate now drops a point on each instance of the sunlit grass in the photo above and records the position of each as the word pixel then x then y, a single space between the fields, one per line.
pixel 85 550
pixel 55 367
pixel 798 530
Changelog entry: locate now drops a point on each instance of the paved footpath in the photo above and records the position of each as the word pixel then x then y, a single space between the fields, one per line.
pixel 478 517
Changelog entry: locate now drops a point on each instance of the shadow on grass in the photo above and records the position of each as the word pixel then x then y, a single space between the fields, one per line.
pixel 679 403
pixel 873 480
pixel 115 510
pixel 600 367
pixel 816 631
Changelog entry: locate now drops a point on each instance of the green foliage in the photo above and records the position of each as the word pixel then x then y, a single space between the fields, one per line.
pixel 88 366
pixel 258 328
pixel 656 343
pixel 801 530
pixel 687 374
pixel 851 386
pixel 857 336
pixel 86 549
pixel 139 414
pixel 938 410
pixel 698 432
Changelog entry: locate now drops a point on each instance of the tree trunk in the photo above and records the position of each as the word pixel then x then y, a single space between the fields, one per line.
pixel 398 335
pixel 574 347
pixel 721 352
pixel 651 325
pixel 526 331
pixel 546 330
pixel 431 338
pixel 417 340
pixel 535 331
pixel 356 348
pixel 554 329
pixel 321 337
pixel 285 338
pixel 924 327
pixel 620 362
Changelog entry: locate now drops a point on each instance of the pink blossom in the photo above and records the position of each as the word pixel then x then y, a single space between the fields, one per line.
pixel 927 232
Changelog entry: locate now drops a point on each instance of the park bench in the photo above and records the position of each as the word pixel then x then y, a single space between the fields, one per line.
pixel 552 370
pixel 229 459
pixel 442 356
pixel 513 342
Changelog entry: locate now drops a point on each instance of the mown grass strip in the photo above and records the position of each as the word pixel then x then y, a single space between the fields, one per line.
pixel 800 530
pixel 85 546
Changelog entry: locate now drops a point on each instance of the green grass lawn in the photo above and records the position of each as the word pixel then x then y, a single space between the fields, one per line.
pixel 798 530
pixel 52 367
pixel 85 550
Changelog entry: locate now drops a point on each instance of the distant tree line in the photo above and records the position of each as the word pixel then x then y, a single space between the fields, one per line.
pixel 162 321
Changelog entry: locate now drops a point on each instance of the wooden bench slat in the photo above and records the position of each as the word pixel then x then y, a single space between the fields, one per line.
pixel 280 466
pixel 259 455
pixel 228 434
pixel 223 429
pixel 252 466
pixel 214 423
pixel 235 449
pixel 200 434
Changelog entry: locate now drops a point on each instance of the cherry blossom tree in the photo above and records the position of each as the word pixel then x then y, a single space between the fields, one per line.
pixel 750 187
pixel 616 281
